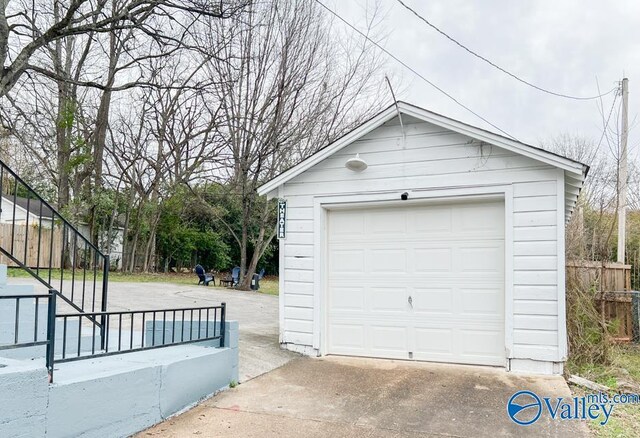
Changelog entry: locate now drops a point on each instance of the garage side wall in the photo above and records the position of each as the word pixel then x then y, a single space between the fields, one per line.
pixel 429 160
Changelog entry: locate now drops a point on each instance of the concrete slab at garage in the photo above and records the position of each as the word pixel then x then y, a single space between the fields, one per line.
pixel 416 236
pixel 356 397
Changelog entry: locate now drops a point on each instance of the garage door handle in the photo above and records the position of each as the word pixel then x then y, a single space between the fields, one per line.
pixel 410 301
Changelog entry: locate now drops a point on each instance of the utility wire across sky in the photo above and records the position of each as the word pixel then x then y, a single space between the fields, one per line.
pixel 408 67
pixel 503 70
pixel 606 125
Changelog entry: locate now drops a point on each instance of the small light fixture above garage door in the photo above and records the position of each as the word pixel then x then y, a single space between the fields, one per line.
pixel 356 164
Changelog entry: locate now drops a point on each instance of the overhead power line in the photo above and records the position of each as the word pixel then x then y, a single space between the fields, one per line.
pixel 606 123
pixel 491 63
pixel 408 67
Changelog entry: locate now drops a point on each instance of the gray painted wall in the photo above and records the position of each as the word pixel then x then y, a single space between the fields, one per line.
pixel 116 395
pixel 23 399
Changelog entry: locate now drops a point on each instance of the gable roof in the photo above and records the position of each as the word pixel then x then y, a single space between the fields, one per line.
pixel 575 172
pixel 34 206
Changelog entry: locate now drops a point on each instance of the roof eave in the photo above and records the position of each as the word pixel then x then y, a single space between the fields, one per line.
pixel 578 169
pixel 314 159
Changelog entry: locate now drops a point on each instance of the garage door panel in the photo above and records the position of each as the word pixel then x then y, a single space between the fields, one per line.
pixel 448 258
pixel 432 222
pixel 432 260
pixel 482 345
pixel 419 281
pixel 346 261
pixel 377 223
pixel 347 336
pixel 433 300
pixel 432 342
pixel 389 338
pixel 350 299
pixel 476 217
pixel 482 302
pixel 347 225
pixel 388 299
pixel 482 259
pixel 391 260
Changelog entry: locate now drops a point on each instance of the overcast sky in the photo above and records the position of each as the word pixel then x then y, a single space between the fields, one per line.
pixel 561 45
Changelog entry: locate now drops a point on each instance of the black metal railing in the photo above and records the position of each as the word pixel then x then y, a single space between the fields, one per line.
pixel 136 330
pixel 119 332
pixel 29 326
pixel 35 237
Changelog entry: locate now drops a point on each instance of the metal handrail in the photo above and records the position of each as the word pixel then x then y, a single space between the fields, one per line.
pixel 35 340
pixel 4 167
pixel 209 326
pixel 75 246
pixel 127 312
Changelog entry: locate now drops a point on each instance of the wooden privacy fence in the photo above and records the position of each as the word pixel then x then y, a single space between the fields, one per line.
pixel 603 277
pixel 612 284
pixel 621 311
pixel 21 234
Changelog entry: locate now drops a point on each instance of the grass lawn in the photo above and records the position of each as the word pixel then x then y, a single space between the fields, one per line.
pixel 623 374
pixel 268 285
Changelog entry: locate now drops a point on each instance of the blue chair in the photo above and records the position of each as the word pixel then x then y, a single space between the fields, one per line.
pixel 233 280
pixel 235 275
pixel 204 278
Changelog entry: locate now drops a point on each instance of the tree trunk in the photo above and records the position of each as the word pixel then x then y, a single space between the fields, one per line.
pixel 260 247
pixel 132 261
pixel 245 284
pixel 125 232
pixel 243 251
pixel 150 247
pixel 136 236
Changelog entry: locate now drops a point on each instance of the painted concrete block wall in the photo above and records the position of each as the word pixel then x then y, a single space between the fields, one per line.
pixel 115 395
pixel 109 403
pixel 23 398
pixel 436 159
pixel 197 378
pixel 139 389
pixel 173 332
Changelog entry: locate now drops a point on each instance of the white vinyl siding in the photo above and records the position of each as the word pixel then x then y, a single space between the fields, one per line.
pixel 433 158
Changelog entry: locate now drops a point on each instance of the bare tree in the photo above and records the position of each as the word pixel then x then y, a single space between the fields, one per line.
pixel 29 27
pixel 171 142
pixel 287 84
pixel 70 59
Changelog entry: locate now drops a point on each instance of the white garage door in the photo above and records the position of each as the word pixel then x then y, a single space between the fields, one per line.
pixel 422 282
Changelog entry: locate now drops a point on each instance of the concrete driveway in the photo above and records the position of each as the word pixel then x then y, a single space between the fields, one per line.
pixel 257 314
pixel 346 397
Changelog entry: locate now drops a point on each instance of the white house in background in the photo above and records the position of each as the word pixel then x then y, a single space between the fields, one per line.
pixel 470 268
pixel 115 250
pixel 23 209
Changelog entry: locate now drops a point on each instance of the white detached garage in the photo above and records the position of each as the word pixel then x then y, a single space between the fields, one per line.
pixel 469 268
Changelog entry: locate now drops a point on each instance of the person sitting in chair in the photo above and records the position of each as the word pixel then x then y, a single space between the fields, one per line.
pixel 203 276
